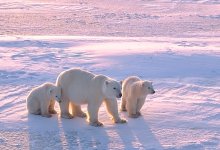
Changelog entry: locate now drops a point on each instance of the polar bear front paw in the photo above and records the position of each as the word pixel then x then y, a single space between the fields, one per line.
pixel 121 121
pixel 66 115
pixel 46 115
pixel 139 114
pixel 96 124
pixel 134 115
pixel 82 115
pixel 123 109
pixel 53 111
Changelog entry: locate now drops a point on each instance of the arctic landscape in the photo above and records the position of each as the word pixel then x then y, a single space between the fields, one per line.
pixel 174 43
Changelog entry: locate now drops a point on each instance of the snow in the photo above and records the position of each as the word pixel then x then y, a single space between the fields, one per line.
pixel 176 44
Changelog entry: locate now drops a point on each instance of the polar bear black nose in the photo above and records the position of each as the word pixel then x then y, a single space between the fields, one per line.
pixel 120 95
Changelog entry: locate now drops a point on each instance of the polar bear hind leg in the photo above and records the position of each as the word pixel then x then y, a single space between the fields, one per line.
pixel 38 112
pixel 45 109
pixel 64 108
pixel 77 111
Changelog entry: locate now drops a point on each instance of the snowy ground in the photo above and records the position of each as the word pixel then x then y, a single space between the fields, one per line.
pixel 183 114
pixel 181 55
pixel 175 18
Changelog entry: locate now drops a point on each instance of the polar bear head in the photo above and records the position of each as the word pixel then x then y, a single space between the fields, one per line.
pixel 111 89
pixel 55 93
pixel 147 87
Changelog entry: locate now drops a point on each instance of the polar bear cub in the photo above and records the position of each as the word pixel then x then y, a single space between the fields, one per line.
pixel 82 87
pixel 41 99
pixel 134 92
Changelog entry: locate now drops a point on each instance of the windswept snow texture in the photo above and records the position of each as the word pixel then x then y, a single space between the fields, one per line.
pixel 183 114
pixel 174 43
pixel 176 18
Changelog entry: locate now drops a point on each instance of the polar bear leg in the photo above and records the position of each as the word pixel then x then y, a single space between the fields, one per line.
pixel 112 108
pixel 123 104
pixel 140 103
pixel 64 108
pixel 93 114
pixel 45 109
pixel 51 107
pixel 132 107
pixel 33 106
pixel 76 110
pixel 38 112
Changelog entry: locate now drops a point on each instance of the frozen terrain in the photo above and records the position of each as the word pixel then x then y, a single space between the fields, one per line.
pixel 183 114
pixel 176 18
pixel 174 43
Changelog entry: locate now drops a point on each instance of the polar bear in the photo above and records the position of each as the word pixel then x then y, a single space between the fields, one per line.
pixel 82 87
pixel 41 99
pixel 134 92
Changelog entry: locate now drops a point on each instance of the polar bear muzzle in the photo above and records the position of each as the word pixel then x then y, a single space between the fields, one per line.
pixel 119 95
pixel 57 99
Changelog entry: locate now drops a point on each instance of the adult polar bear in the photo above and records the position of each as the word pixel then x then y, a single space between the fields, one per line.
pixel 82 87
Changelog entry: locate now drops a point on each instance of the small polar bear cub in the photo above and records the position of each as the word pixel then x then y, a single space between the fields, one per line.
pixel 134 92
pixel 41 99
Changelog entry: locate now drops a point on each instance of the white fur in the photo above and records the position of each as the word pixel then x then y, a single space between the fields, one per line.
pixel 82 87
pixel 41 99
pixel 134 92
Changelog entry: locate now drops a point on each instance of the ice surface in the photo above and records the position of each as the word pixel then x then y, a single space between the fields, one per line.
pixel 174 43
pixel 176 18
pixel 183 114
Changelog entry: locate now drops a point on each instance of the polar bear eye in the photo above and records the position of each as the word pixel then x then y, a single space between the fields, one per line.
pixel 149 88
pixel 114 88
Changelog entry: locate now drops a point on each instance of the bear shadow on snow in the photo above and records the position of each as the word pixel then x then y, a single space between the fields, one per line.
pixel 43 132
pixel 137 133
pixel 83 135
pixel 74 133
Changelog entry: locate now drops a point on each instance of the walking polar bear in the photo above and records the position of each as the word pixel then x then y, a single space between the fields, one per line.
pixel 41 100
pixel 134 92
pixel 82 87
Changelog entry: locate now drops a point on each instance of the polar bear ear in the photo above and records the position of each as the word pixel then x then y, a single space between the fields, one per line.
pixel 106 82
pixel 51 89
pixel 142 84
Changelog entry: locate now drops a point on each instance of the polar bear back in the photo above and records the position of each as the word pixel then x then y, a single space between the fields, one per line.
pixel 77 85
pixel 40 92
pixel 128 83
